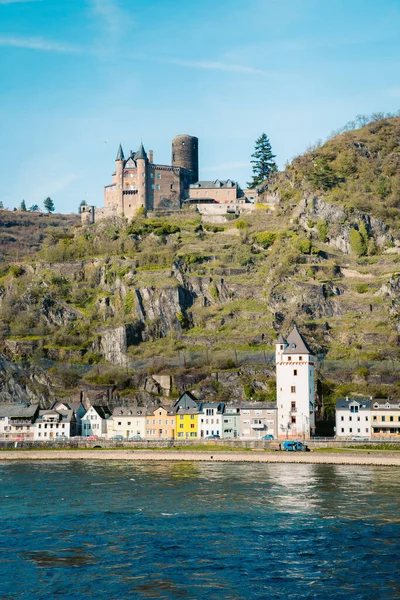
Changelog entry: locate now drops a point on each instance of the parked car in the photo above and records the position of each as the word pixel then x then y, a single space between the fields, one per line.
pixel 358 438
pixel 118 438
pixel 136 438
pixel 293 446
pixel 269 436
pixel 213 437
pixel 92 438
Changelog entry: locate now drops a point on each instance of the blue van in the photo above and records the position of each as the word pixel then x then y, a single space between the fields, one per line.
pixel 293 446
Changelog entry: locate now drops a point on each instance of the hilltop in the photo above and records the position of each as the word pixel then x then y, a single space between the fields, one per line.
pixel 116 304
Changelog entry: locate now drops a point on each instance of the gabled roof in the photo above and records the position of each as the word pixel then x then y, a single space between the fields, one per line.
pixel 186 401
pixel 214 185
pixel 364 403
pixel 254 405
pixel 120 155
pixel 219 406
pixel 296 343
pixel 130 164
pixel 102 411
pixel 141 153
pixel 281 340
pixel 18 410
pixel 130 411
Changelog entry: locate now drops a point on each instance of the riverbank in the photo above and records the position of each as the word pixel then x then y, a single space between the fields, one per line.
pixel 343 458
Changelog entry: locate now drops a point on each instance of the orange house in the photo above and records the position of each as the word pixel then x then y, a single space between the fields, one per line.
pixel 160 424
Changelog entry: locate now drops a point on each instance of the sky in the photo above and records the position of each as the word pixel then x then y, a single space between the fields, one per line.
pixel 77 77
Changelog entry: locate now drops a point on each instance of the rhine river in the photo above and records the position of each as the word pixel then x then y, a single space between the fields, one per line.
pixel 116 530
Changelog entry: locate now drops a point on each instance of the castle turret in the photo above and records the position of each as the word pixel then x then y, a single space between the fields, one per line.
pixel 141 164
pixel 295 386
pixel 185 154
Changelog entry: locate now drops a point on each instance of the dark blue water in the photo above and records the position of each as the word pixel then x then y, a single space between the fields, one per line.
pixel 192 530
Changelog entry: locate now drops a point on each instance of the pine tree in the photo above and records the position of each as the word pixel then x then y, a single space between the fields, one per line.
pixel 23 206
pixel 34 208
pixel 264 164
pixel 49 205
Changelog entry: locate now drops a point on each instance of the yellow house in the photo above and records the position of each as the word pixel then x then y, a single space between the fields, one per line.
pixel 385 418
pixel 187 423
pixel 160 424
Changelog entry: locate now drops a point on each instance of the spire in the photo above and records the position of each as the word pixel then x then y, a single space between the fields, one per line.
pixel 120 155
pixel 141 153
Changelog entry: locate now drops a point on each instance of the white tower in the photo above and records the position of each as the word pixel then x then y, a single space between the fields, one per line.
pixel 294 387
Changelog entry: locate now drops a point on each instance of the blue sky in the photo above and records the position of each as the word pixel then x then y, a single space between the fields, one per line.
pixel 77 77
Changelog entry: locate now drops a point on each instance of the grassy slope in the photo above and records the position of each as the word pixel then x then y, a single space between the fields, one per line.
pixel 337 299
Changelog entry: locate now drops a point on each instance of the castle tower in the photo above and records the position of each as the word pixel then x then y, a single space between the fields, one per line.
pixel 295 387
pixel 185 154
pixel 141 164
pixel 119 177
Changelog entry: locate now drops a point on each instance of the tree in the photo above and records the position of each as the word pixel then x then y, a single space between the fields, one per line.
pixel 263 161
pixel 357 242
pixel 23 206
pixel 83 203
pixel 323 177
pixel 34 208
pixel 49 205
pixel 1 205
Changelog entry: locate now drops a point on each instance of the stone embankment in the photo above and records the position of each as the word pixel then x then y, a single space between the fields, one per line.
pixel 342 458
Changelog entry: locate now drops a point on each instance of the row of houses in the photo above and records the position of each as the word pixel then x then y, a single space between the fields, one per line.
pixel 187 419
pixel 367 418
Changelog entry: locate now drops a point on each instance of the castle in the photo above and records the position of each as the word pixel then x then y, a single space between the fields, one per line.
pixel 140 183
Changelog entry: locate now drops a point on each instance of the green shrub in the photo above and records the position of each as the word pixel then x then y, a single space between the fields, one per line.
pixel 322 229
pixel 241 224
pixel 265 239
pixel 363 372
pixel 214 293
pixel 357 242
pixel 304 245
pixel 362 288
pixel 16 271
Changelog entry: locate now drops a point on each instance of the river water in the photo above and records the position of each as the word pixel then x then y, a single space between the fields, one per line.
pixel 196 530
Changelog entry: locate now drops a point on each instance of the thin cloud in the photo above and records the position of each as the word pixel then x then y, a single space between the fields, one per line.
pixel 214 66
pixel 33 43
pixel 17 1
pixel 110 15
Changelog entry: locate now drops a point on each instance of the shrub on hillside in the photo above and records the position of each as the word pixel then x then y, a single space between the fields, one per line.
pixel 265 239
pixel 357 242
pixel 322 229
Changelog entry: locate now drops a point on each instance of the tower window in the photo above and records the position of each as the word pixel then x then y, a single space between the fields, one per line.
pixel 293 389
pixel 289 358
pixel 295 372
pixel 281 347
pixel 158 175
pixel 300 358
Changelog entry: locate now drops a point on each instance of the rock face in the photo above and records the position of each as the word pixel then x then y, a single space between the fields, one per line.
pixel 19 384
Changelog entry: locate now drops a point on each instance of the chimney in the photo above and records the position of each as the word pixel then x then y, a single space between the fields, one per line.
pixel 151 156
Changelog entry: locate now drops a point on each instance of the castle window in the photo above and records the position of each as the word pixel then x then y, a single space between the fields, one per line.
pixel 158 175
pixel 152 186
pixel 151 176
pixel 172 186
pixel 158 187
pixel 161 197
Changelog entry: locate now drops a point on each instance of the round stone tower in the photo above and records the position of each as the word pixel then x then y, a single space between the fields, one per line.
pixel 185 154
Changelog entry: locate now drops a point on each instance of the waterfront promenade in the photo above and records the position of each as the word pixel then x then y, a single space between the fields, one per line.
pixel 375 458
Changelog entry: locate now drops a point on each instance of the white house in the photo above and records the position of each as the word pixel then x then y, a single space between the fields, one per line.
pixel 16 421
pixel 94 422
pixel 295 386
pixel 211 419
pixel 78 410
pixel 127 422
pixel 52 424
pixel 353 417
pixel 257 419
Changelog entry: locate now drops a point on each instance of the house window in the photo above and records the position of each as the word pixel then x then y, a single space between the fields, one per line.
pixel 295 372
pixel 181 426
pixel 366 430
pixel 374 418
pixel 300 358
pixel 293 420
pixel 383 419
pixel 350 418
pixel 366 418
pixel 281 347
pixel 350 430
pixel 342 430
pixel 181 417
pixel 192 426
pixel 293 389
pixel 391 419
pixel 293 406
pixel 192 417
pixel 289 358
pixel 342 418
